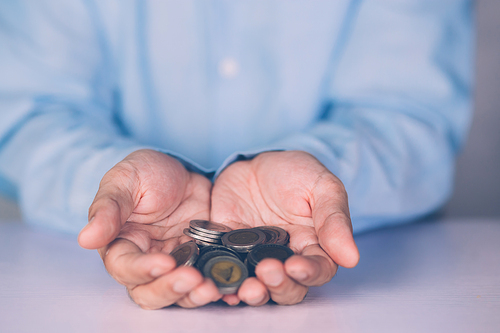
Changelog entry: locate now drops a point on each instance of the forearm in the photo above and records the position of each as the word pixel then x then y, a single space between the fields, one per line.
pixel 396 108
pixel 57 159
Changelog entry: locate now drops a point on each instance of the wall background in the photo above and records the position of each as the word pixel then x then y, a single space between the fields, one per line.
pixel 477 187
pixel 477 180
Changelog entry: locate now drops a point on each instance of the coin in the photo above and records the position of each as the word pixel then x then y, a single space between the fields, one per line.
pixel 227 272
pixel 185 254
pixel 211 248
pixel 203 239
pixel 202 234
pixel 276 251
pixel 271 234
pixel 203 244
pixel 243 240
pixel 207 255
pixel 283 236
pixel 209 227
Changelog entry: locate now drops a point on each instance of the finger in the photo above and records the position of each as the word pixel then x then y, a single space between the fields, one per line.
pixel 312 268
pixel 282 288
pixel 203 294
pixel 331 219
pixel 167 289
pixel 127 264
pixel 231 300
pixel 113 204
pixel 253 292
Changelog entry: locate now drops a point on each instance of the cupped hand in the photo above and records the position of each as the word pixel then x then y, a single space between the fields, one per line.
pixel 137 218
pixel 292 190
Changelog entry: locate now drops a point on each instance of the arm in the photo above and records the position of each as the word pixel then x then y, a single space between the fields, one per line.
pixel 59 138
pixel 397 108
pixel 57 133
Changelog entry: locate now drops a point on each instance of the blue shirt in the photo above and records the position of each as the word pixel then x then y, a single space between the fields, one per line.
pixel 379 91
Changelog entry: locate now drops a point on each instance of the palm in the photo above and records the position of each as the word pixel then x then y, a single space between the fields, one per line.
pixel 242 197
pixel 157 221
pixel 154 198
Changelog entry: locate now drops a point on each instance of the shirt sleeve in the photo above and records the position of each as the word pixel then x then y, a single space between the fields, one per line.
pixel 397 108
pixel 58 134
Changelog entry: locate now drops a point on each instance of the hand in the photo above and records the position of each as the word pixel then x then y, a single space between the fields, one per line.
pixel 296 192
pixel 137 218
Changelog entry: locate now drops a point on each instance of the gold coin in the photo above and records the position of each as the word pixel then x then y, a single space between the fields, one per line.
pixel 226 272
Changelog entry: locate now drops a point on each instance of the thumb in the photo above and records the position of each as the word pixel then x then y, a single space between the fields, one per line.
pixel 112 206
pixel 333 225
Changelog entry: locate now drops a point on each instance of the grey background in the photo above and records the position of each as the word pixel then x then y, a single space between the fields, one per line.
pixel 477 187
pixel 477 180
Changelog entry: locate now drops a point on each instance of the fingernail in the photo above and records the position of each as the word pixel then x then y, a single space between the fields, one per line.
pixel 300 275
pixel 181 287
pixel 273 278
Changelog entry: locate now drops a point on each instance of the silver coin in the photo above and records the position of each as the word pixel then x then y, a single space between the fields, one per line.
pixel 243 240
pixel 227 272
pixel 280 252
pixel 204 244
pixel 271 234
pixel 197 237
pixel 283 236
pixel 185 254
pixel 203 234
pixel 209 227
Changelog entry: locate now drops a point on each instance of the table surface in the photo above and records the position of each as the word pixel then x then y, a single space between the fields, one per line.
pixel 433 276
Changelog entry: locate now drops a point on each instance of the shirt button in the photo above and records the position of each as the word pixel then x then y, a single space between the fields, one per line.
pixel 229 68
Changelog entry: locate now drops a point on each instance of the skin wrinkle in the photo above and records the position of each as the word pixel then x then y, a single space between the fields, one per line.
pixel 283 215
pixel 253 179
pixel 324 275
pixel 280 214
pixel 129 179
pixel 303 240
pixel 253 183
pixel 250 206
pixel 233 193
pixel 106 258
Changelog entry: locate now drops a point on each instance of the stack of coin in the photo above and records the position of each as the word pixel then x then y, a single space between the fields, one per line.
pixel 223 251
pixel 206 233
pixel 262 251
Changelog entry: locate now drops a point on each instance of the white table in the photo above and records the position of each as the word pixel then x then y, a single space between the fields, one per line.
pixel 437 276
